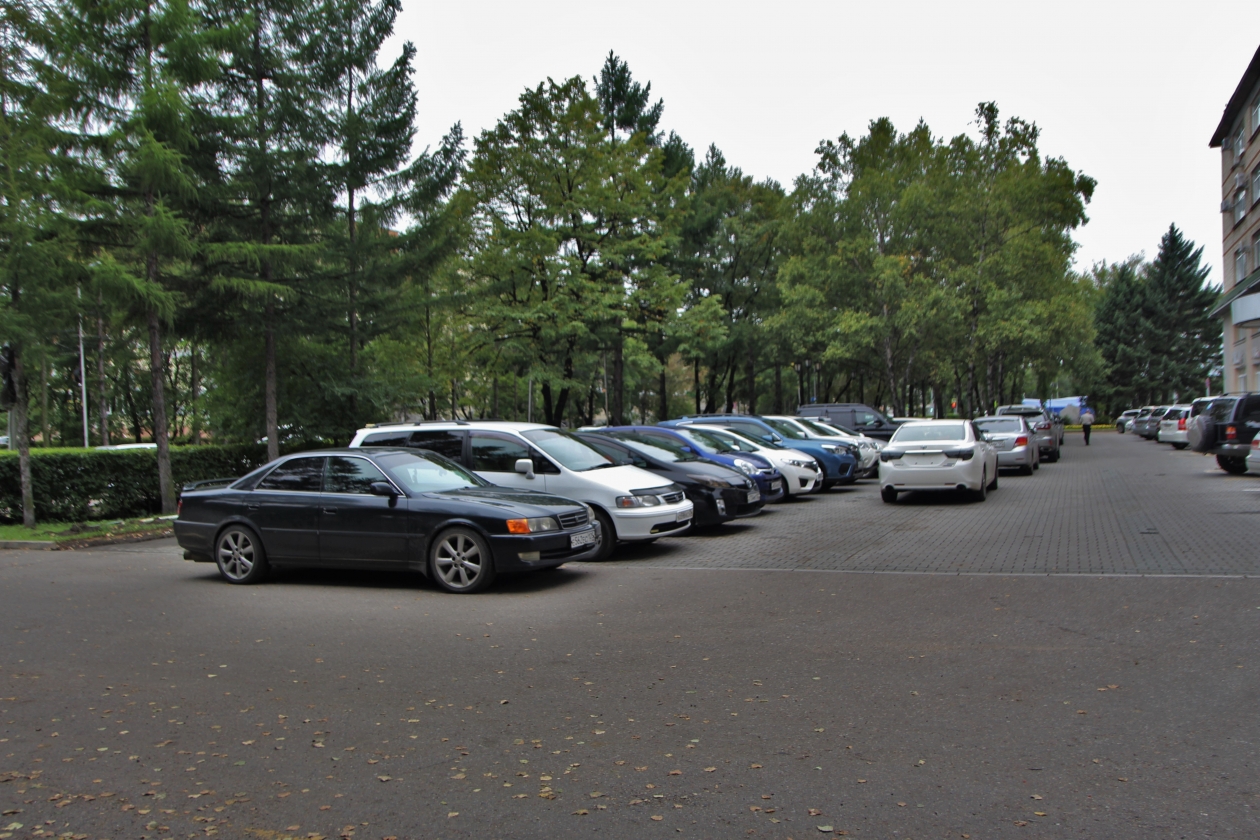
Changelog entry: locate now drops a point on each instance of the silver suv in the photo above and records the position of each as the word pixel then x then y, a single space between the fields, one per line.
pixel 1047 427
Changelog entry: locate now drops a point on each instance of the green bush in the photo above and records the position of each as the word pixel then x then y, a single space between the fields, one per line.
pixel 74 485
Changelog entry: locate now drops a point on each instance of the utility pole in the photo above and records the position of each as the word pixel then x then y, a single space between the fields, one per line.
pixel 83 377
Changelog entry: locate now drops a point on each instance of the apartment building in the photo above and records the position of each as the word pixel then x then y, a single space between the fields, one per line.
pixel 1238 138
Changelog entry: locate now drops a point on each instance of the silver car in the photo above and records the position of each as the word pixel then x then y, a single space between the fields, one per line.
pixel 1015 441
pixel 1047 427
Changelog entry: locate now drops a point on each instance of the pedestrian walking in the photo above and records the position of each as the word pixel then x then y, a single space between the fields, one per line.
pixel 1087 420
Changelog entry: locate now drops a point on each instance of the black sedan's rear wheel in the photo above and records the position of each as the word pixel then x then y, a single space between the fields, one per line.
pixel 460 561
pixel 240 555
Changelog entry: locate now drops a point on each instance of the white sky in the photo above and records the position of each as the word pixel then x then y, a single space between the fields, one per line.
pixel 1128 93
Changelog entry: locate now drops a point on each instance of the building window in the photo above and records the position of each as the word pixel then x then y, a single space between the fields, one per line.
pixel 1255 115
pixel 1255 249
pixel 1240 205
pixel 1240 143
pixel 1242 381
pixel 1240 266
pixel 1240 335
pixel 1255 184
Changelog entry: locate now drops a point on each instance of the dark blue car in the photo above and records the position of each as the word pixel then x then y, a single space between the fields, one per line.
pixel 838 460
pixel 768 478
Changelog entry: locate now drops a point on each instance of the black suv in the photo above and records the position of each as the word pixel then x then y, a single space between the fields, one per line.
pixel 1225 430
pixel 861 418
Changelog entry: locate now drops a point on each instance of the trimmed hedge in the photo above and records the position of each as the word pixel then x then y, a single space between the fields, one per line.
pixel 82 484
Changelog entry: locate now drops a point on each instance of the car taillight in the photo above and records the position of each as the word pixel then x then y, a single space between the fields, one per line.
pixel 1255 442
pixel 1022 440
pixel 1231 433
pixel 1043 425
pixel 179 507
pixel 1181 425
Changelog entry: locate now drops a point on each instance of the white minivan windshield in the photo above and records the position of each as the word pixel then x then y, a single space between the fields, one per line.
pixel 572 452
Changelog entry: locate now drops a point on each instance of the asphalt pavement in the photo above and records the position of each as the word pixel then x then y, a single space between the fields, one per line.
pixel 1039 665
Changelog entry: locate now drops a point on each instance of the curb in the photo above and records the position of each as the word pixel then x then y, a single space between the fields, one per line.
pixel 35 545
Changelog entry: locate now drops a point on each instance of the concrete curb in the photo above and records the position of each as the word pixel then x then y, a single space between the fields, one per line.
pixel 37 545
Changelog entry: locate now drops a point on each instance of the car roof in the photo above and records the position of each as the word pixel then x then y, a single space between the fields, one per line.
pixel 444 425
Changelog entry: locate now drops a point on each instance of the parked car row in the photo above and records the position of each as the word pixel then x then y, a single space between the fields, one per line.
pixel 462 501
pixel 1223 426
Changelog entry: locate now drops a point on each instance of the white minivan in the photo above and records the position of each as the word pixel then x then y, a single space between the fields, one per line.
pixel 631 504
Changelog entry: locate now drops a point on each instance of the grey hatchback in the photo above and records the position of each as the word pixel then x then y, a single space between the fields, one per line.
pixel 1014 441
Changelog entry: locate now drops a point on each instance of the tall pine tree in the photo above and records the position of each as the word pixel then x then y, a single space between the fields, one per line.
pixel 1183 338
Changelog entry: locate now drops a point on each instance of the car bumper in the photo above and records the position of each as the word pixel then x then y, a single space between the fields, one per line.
pixel 968 473
pixel 520 553
pixel 839 471
pixel 197 539
pixel 767 484
pixel 1020 456
pixel 649 523
pixel 714 506
pixel 1253 461
pixel 1232 450
pixel 1172 436
pixel 799 480
pixel 1047 441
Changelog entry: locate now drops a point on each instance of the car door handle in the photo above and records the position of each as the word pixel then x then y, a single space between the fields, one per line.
pixel 329 510
pixel 253 507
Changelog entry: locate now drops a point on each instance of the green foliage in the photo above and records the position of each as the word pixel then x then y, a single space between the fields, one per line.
pixel 78 485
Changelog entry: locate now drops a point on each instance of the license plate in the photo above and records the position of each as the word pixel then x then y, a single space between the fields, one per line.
pixel 582 538
pixel 774 487
pixel 754 495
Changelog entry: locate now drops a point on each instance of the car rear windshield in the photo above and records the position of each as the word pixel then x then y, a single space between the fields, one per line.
pixel 1222 409
pixel 427 472
pixel 569 450
pixel 1001 425
pixel 669 451
pixel 1175 414
pixel 1021 410
pixel 936 431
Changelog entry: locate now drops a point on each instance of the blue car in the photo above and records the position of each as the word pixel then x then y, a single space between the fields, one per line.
pixel 838 460
pixel 769 480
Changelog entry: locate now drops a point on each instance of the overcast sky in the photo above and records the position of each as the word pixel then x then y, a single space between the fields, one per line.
pixel 1128 93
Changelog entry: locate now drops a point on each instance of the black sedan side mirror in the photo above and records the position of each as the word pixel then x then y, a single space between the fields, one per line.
pixel 383 488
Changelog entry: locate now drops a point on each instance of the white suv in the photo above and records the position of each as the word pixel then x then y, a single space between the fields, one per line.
pixel 630 504
pixel 1172 427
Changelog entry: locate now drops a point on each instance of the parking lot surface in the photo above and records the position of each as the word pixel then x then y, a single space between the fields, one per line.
pixel 1078 661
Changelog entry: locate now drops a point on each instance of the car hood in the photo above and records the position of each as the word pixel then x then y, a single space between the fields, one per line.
pixel 709 468
pixel 509 499
pixel 623 479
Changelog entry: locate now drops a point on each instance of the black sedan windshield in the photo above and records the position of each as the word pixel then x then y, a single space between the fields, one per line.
pixel 427 472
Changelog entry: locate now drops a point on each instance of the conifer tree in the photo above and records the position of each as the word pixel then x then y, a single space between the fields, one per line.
pixel 1183 338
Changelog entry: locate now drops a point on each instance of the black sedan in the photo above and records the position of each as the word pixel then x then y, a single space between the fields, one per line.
pixel 380 509
pixel 718 493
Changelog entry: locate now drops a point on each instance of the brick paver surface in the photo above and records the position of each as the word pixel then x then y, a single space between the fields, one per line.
pixel 1120 506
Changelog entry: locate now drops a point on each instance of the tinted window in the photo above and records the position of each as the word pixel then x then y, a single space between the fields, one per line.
pixel 755 431
pixel 397 438
pixel 303 474
pixel 428 472
pixel 942 431
pixel 569 450
pixel 817 428
pixel 350 475
pixel 1001 425
pixel 448 443
pixel 495 453
pixel 864 418
pixel 1222 410
pixel 1251 411
pixel 615 453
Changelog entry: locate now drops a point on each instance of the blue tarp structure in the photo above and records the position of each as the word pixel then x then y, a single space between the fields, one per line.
pixel 1069 408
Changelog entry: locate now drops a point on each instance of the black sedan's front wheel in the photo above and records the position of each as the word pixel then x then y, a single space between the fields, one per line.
pixel 460 561
pixel 240 555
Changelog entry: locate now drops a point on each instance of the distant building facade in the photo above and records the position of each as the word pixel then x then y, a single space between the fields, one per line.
pixel 1238 138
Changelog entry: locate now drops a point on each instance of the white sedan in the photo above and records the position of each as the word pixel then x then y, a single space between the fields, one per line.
pixel 938 455
pixel 801 473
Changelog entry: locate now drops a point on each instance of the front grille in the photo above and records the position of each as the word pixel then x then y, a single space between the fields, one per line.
pixel 671 498
pixel 573 519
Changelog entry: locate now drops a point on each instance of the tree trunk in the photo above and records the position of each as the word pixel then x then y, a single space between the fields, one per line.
pixel 616 406
pixel 269 386
pixel 778 388
pixel 46 426
pixel 102 382
pixel 695 387
pixel 157 378
pixel 752 379
pixel 194 391
pixel 664 395
pixel 21 433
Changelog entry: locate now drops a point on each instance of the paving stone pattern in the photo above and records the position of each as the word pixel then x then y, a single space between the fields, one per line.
pixel 1122 506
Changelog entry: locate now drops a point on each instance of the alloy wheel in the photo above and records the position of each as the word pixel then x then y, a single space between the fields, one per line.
pixel 459 561
pixel 238 555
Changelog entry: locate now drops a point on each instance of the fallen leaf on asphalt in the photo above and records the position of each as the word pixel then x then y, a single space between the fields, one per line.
pixel 1039 813
pixel 293 828
pixel 1021 822
pixel 459 776
pixel 581 812
pixel 766 796
pixel 1036 796
pixel 503 702
pixel 861 781
pixel 657 819
pixel 1122 779
pixel 1081 712
pixel 709 769
pixel 901 804
pixel 452 814
pixel 815 812
pixel 325 807
pixel 640 769
pixel 675 772
pixel 521 796
pixel 618 762
pixel 247 743
pixel 754 766
pixel 754 808
pixel 825 828
pixel 595 794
